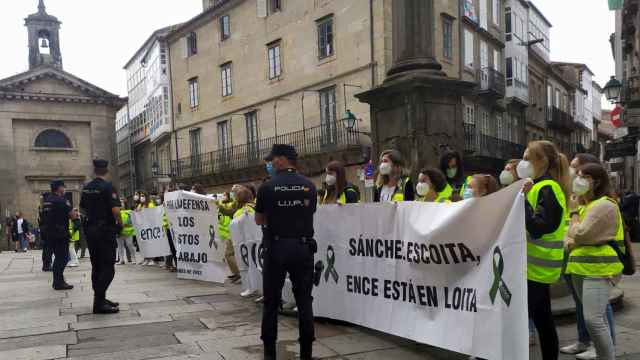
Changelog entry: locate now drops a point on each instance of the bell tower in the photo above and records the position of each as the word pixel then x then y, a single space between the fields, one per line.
pixel 44 39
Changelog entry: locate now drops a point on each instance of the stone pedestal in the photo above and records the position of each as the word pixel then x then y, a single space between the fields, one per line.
pixel 418 108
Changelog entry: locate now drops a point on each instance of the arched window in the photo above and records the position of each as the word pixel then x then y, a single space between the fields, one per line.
pixel 53 139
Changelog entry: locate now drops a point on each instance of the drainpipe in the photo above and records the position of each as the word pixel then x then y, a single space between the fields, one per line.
pixel 173 124
pixel 371 38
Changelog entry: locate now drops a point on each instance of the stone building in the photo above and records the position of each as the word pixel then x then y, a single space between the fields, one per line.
pixel 52 123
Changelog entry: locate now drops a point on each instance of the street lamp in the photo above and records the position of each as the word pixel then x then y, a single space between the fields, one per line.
pixel 349 120
pixel 612 89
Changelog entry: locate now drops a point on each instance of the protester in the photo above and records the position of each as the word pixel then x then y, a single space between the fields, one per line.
pixel 393 182
pixel 583 349
pixel 593 262
pixel 227 207
pixel 451 165
pixel 146 203
pixel 509 175
pixel 338 190
pixel 246 205
pixel 74 232
pixel 432 186
pixel 547 190
pixel 481 185
pixel 170 260
pixel 125 238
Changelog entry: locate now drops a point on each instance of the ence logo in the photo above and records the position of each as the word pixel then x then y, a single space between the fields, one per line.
pixel 498 282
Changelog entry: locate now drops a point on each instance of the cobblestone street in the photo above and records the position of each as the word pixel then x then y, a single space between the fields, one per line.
pixel 170 319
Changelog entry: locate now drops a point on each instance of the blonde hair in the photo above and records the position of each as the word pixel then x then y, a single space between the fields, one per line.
pixel 396 159
pixel 554 161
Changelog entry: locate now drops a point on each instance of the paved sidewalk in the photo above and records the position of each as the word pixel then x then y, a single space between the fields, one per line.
pixel 170 319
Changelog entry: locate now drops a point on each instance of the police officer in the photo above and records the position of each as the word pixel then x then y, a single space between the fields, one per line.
pixel 100 206
pixel 285 208
pixel 56 211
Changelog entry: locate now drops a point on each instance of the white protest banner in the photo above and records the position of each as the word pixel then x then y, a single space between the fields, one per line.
pixel 247 239
pixel 448 275
pixel 194 224
pixel 151 236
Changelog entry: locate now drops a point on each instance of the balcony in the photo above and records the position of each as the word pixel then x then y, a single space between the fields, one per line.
pixel 630 94
pixel 223 163
pixel 491 83
pixel 481 146
pixel 560 120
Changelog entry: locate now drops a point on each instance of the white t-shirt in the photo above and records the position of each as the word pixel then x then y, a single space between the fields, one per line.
pixel 19 224
pixel 386 193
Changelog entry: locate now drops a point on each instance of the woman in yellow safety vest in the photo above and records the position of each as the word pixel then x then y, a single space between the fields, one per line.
pixel 431 186
pixel 125 238
pixel 593 263
pixel 546 190
pixel 74 232
pixel 481 185
pixel 392 181
pixel 451 165
pixel 338 190
pixel 583 344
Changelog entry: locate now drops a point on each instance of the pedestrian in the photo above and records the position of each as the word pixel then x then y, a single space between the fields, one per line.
pixel 593 263
pixel 125 238
pixel 509 175
pixel 583 348
pixel 56 214
pixel 101 206
pixel 81 245
pixel 74 237
pixel 392 181
pixel 227 207
pixel 20 229
pixel 547 192
pixel 451 165
pixel 285 208
pixel 432 186
pixel 338 190
pixel 480 185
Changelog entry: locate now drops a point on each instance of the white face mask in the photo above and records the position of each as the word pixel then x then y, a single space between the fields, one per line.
pixel 422 189
pixel 452 172
pixel 572 173
pixel 385 168
pixel 581 186
pixel 506 178
pixel 232 196
pixel 525 170
pixel 331 180
pixel 143 199
pixel 136 198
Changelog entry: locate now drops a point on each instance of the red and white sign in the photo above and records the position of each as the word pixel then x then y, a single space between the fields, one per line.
pixel 616 116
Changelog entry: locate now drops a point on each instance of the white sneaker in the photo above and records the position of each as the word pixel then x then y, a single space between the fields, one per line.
pixel 574 349
pixel 74 264
pixel 247 293
pixel 259 299
pixel 590 354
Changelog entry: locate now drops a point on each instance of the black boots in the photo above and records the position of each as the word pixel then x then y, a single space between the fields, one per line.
pixel 103 306
pixel 62 286
pixel 305 351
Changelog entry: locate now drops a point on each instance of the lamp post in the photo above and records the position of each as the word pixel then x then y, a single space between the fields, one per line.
pixel 612 90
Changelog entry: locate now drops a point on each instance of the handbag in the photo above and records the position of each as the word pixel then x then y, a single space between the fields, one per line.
pixel 627 258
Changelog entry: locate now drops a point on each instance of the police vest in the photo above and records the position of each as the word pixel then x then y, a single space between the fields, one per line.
pixel 74 233
pixel 127 228
pixel 545 255
pixel 597 260
pixel 398 195
pixel 342 199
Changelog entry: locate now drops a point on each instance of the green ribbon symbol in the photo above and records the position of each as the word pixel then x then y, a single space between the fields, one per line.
pixel 212 237
pixel 498 283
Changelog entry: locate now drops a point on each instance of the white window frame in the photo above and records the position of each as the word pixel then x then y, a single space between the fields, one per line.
pixel 226 79
pixel 274 59
pixel 194 93
pixel 495 8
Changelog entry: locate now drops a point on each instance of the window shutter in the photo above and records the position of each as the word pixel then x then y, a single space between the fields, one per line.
pixel 262 8
pixel 185 47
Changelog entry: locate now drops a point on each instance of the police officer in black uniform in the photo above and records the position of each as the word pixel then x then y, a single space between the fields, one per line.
pixel 56 211
pixel 285 208
pixel 100 206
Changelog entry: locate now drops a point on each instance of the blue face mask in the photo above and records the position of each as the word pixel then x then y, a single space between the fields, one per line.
pixel 270 170
pixel 468 193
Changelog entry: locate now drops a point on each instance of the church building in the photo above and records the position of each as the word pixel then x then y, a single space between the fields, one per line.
pixel 52 124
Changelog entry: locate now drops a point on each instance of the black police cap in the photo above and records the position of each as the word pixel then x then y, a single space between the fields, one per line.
pixel 287 151
pixel 55 184
pixel 100 164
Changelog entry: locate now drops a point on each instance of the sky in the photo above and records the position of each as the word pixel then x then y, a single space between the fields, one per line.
pixel 98 37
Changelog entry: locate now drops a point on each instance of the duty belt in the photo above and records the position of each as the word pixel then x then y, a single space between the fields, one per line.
pixel 304 239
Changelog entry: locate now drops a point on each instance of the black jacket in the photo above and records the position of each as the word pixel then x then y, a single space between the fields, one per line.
pixel 548 214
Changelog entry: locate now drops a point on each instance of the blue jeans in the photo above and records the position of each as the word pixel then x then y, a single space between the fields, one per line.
pixel 583 334
pixel 24 243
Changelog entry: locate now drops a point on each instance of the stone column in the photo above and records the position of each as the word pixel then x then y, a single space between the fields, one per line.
pixel 413 37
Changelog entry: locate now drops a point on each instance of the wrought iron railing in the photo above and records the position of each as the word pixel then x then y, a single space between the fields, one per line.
pixel 491 80
pixel 310 141
pixel 559 119
pixel 479 144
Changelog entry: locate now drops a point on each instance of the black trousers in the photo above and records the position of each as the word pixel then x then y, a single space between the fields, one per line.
pixel 294 257
pixel 171 259
pixel 47 252
pixel 102 246
pixel 60 249
pixel 540 312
